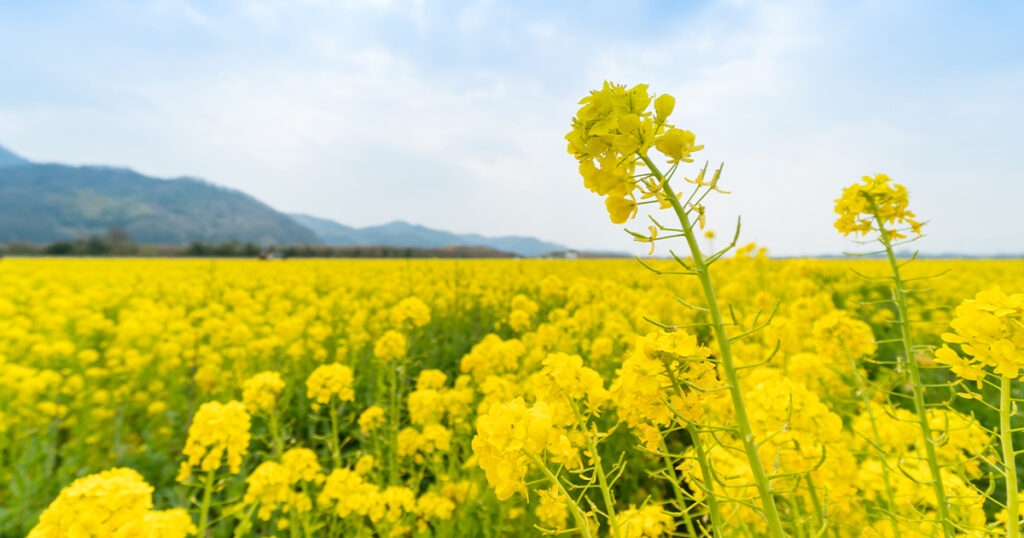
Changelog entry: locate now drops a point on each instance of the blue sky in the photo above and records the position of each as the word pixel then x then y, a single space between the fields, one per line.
pixel 451 114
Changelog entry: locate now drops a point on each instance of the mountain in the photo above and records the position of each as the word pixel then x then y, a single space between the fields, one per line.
pixel 403 234
pixel 9 159
pixel 328 231
pixel 44 203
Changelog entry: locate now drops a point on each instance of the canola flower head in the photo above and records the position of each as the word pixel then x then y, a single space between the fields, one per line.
pixel 365 464
pixel 173 523
pixel 302 465
pixel 371 419
pixel 392 503
pixel 612 131
pixel 432 506
pixel 391 346
pixel 117 502
pixel 219 435
pixel 346 492
pixel 409 313
pixel 269 487
pixel 989 330
pixel 650 521
pixel 641 386
pixel 431 379
pixel 260 392
pixel 510 434
pixel 837 334
pixel 876 198
pixel 552 511
pixel 328 382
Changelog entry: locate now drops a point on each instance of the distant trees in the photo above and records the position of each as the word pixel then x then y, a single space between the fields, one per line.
pixel 117 242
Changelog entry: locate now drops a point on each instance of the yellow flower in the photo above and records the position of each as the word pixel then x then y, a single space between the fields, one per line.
pixel 409 313
pixel 371 418
pixel 861 204
pixel 301 464
pixel 330 381
pixel 431 379
pixel 677 145
pixel 260 392
pixel 990 332
pixel 620 208
pixel 219 434
pixel 390 346
pixel 365 464
pixel 650 521
pixel 430 505
pixel 663 106
pixel 552 511
pixel 117 502
pixel 345 493
pixel 509 434
pixel 837 334
pixel 392 503
pixel 268 486
pixel 610 135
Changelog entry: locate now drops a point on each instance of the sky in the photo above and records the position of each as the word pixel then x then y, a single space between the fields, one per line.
pixel 452 114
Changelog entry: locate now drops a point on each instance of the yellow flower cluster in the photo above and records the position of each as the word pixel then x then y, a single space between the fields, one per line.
pixel 219 435
pixel 650 521
pixel 391 346
pixel 260 392
pixel 422 444
pixel 643 384
pixel 861 204
pixel 612 131
pixel 410 313
pixel 273 485
pixel 842 338
pixel 116 503
pixel 346 493
pixel 510 434
pixel 330 381
pixel 371 419
pixel 990 332
pixel 492 355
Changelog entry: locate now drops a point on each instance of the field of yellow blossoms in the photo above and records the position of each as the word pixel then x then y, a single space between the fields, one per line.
pixel 343 397
pixel 700 393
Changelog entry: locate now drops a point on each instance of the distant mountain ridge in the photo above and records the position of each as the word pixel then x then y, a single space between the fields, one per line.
pixel 9 159
pixel 44 203
pixel 404 234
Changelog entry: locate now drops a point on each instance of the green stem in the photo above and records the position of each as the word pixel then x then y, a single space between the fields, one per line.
pixel 1009 459
pixel 677 492
pixel 771 512
pixel 204 509
pixel 819 513
pixel 333 442
pixel 393 412
pixel 709 485
pixel 278 445
pixel 702 460
pixel 862 388
pixel 602 480
pixel 577 514
pixel 942 505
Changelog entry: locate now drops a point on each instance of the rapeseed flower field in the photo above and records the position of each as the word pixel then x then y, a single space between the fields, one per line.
pixel 426 397
pixel 720 393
